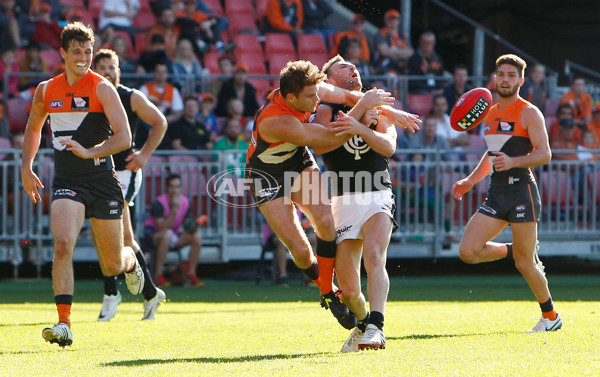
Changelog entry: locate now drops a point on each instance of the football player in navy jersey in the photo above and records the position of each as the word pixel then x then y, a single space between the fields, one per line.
pixel 128 164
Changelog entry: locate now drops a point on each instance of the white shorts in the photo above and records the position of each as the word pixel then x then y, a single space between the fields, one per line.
pixel 351 211
pixel 130 182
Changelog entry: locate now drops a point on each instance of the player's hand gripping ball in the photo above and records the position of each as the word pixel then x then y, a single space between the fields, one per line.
pixel 470 109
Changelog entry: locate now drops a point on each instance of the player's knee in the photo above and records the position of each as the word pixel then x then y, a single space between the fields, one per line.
pixel 351 292
pixel 373 256
pixel 63 247
pixel 522 263
pixel 467 255
pixel 324 223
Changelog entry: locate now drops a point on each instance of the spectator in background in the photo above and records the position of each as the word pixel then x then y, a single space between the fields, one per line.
pixel 443 129
pixel 170 225
pixel 458 87
pixel 351 51
pixel 238 87
pixel 208 117
pixel 15 25
pixel 118 15
pixel 564 111
pixel 316 13
pixel 32 62
pixel 580 101
pixel 392 48
pixel 564 140
pixel 426 62
pixel 534 89
pixel 127 64
pixel 188 133
pixel 429 139
pixel 284 16
pixel 8 65
pixel 186 62
pixel 588 144
pixel 46 31
pixel 357 30
pixel 594 124
pixel 226 67
pixel 200 28
pixel 164 95
pixel 231 141
pixel 155 54
pixel 165 26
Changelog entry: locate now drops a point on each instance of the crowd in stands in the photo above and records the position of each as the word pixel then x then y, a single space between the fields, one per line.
pixel 173 40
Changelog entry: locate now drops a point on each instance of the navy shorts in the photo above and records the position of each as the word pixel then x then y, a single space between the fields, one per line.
pixel 513 203
pixel 102 197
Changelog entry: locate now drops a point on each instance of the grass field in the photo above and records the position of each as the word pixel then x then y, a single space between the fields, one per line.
pixel 443 326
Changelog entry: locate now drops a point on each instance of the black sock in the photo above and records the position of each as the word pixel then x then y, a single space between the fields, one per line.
pixel 547 306
pixel 376 318
pixel 509 253
pixel 326 249
pixel 63 299
pixel 110 286
pixel 362 324
pixel 149 290
pixel 312 272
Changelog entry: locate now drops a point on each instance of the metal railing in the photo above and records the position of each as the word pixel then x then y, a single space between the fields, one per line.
pixel 425 210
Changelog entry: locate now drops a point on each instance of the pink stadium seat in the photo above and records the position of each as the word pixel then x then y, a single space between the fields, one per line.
pixel 241 23
pixel 4 144
pixel 144 20
pixel 311 43
pixel 255 61
pixel 239 6
pixel 211 61
pixel 420 103
pixel 556 187
pixel 247 43
pixel 316 58
pixel 550 119
pixel 16 109
pixel 140 43
pixel 277 62
pixel 95 6
pixel 52 59
pixel 551 106
pixel 261 9
pixel 594 186
pixel 281 44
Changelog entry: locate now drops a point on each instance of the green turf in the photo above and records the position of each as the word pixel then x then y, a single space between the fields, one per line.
pixel 446 326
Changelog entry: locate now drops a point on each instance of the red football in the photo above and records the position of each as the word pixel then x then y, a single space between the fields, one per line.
pixel 470 109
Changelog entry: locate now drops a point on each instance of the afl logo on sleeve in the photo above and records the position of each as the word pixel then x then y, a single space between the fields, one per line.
pixel 80 104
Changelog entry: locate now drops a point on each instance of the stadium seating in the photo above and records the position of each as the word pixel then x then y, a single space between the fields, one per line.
pixel 16 109
pixel 551 106
pixel 73 3
pixel 594 186
pixel 420 103
pixel 52 59
pixel 279 44
pixel 247 43
pixel 4 144
pixel 144 20
pixel 211 61
pixel 140 43
pixel 241 23
pixel 277 62
pixel 311 43
pixel 261 9
pixel 95 6
pixel 556 187
pixel 240 7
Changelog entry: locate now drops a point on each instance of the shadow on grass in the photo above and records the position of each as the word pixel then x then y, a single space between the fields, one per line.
pixel 413 289
pixel 215 360
pixel 437 336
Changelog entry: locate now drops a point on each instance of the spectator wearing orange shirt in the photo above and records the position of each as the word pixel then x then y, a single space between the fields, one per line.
pixel 357 30
pixel 166 27
pixel 564 140
pixel 580 101
pixel 284 16
pixel 392 48
pixel 564 111
pixel 594 124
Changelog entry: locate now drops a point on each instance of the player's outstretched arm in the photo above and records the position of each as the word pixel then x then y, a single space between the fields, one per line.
pixel 31 144
pixel 462 186
pixel 150 114
pixel 402 118
pixel 333 94
pixel 288 128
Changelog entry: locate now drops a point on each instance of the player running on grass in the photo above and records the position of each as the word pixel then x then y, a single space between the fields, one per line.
pixel 517 141
pixel 362 209
pixel 88 125
pixel 128 164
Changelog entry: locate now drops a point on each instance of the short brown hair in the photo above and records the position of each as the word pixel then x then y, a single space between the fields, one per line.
pixel 106 53
pixel 297 75
pixel 327 66
pixel 513 60
pixel 76 31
